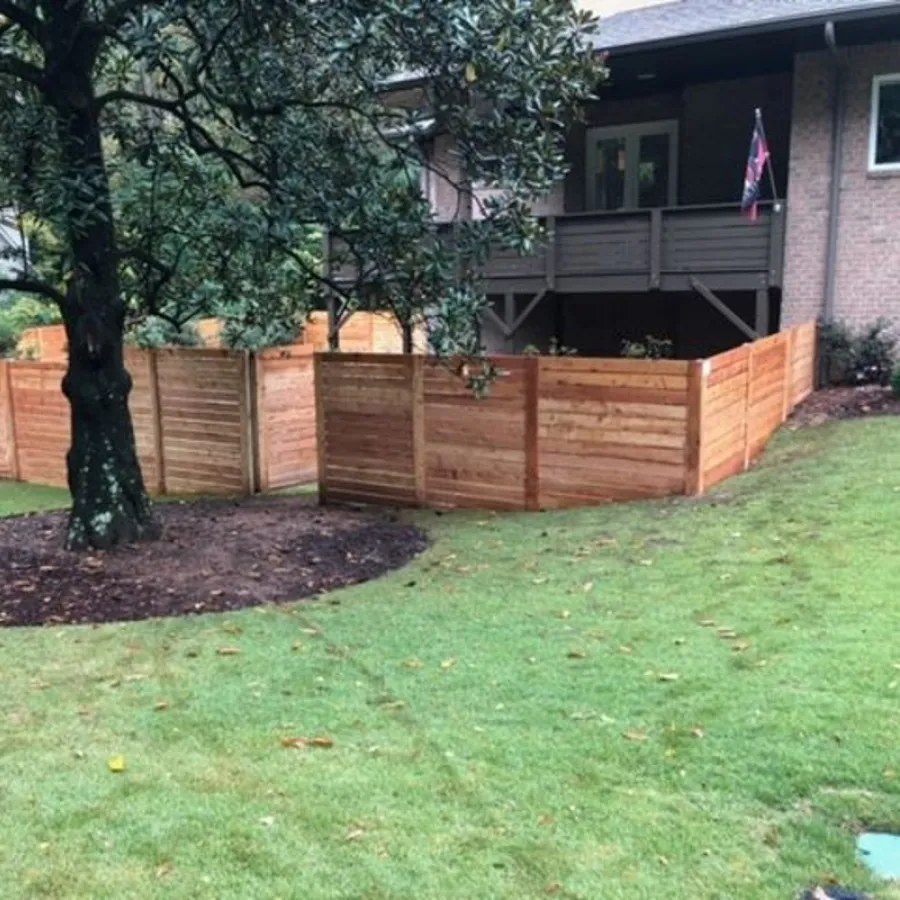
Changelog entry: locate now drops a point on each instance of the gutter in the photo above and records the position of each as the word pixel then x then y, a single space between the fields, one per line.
pixel 838 119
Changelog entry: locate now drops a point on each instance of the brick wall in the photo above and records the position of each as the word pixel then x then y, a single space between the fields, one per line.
pixel 868 264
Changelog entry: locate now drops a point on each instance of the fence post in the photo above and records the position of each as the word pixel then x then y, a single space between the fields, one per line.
pixel 156 417
pixel 243 361
pixel 787 406
pixel 417 396
pixel 6 387
pixel 259 435
pixel 532 447
pixel 748 405
pixel 698 376
pixel 321 456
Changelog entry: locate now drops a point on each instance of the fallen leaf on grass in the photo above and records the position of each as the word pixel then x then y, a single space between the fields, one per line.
pixel 393 705
pixel 741 646
pixel 697 732
pixel 576 654
pixel 228 651
pixel 565 614
pixel 637 734
pixel 448 664
pixel 312 632
pixel 680 642
pixel 707 623
pixel 625 649
pixel 164 869
pixel 413 663
pixel 297 646
pixel 161 705
pixel 554 887
pixel 727 634
pixel 546 819
pixel 228 627
pixel 589 587
pixel 669 676
pixel 267 821
pixel 301 743
pixel 117 763
pixel 355 834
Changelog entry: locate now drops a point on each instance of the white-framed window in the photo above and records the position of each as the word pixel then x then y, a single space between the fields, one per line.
pixel 632 166
pixel 884 137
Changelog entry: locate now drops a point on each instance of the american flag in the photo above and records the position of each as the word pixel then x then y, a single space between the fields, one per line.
pixel 756 167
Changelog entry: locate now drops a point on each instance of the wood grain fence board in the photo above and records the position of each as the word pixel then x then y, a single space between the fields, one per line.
pixel 8 465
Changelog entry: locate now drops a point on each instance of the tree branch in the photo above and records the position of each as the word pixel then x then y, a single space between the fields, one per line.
pixel 29 286
pixel 14 67
pixel 24 19
pixel 118 12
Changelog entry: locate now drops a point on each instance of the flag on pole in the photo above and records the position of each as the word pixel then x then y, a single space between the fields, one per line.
pixel 756 167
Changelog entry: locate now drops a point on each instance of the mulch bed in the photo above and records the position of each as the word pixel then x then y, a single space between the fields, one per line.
pixel 846 403
pixel 214 556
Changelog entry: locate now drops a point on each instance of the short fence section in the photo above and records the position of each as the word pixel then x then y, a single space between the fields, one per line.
pixel 205 421
pixel 553 432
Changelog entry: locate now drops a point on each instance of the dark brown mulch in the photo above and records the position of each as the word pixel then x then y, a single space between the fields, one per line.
pixel 214 556
pixel 846 403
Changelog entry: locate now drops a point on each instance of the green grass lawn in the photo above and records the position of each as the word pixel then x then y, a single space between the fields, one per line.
pixel 505 713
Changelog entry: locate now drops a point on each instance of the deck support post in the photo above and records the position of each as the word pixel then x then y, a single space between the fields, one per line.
pixel 762 312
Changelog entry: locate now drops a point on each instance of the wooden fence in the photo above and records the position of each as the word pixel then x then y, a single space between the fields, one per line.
pixel 205 421
pixel 553 432
pixel 362 332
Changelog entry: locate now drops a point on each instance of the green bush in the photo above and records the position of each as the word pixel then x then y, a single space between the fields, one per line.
pixel 19 312
pixel 650 348
pixel 155 332
pixel 895 383
pixel 848 357
pixel 242 335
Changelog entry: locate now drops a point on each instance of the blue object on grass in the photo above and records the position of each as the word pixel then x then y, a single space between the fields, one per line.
pixel 880 853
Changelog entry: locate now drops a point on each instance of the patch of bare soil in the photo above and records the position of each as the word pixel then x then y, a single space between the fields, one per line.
pixel 214 556
pixel 845 403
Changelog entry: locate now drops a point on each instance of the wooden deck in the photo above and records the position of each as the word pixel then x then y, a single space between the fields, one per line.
pixel 644 250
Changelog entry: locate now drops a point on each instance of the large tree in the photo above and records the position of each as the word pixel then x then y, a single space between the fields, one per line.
pixel 288 113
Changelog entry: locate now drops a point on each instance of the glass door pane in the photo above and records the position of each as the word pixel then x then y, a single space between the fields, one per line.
pixel 653 175
pixel 610 165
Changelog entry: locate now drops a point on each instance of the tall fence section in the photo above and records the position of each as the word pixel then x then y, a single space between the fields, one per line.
pixel 553 432
pixel 205 421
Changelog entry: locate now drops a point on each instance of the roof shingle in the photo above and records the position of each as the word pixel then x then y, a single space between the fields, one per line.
pixel 683 18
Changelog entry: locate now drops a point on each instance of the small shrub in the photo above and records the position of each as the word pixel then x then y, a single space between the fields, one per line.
pixel 848 357
pixel 242 335
pixel 155 332
pixel 874 351
pixel 895 383
pixel 650 348
pixel 554 348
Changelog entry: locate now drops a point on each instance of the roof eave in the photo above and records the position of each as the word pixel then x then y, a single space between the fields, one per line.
pixel 772 26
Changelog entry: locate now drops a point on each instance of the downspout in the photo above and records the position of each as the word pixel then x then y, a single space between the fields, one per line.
pixel 839 116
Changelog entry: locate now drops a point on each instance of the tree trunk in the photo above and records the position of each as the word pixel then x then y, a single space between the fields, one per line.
pixel 110 505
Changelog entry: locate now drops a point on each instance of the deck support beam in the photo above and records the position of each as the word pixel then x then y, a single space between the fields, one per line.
pixel 717 304
pixel 510 323
pixel 762 312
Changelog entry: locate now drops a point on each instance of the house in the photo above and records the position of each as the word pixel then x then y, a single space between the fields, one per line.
pixel 645 235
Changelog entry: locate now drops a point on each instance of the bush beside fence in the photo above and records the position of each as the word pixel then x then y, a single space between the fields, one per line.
pixel 553 432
